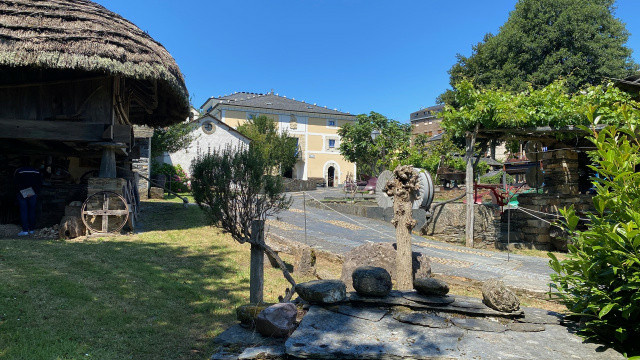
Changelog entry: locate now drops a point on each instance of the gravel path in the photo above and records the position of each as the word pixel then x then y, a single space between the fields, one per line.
pixel 330 231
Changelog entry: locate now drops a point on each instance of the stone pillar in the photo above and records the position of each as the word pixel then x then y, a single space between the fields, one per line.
pixel 561 173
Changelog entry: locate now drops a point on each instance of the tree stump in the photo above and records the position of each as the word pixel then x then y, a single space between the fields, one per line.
pixel 404 189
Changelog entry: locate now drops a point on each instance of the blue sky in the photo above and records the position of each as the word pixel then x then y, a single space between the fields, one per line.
pixel 357 55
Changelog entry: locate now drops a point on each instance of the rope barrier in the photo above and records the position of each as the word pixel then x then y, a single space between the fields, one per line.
pixel 550 214
pixel 345 216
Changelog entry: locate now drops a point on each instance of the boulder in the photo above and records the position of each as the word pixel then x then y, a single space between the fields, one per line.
pixel 277 320
pixel 322 291
pixel 305 264
pixel 431 286
pixel 71 227
pixel 496 296
pixel 371 281
pixel 156 193
pixel 381 255
pixel 247 314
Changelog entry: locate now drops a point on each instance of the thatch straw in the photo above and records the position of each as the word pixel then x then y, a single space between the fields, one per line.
pixel 82 35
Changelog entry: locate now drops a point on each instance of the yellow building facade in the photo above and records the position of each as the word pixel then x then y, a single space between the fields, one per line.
pixel 315 127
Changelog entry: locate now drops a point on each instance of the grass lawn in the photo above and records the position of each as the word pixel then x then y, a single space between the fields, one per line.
pixel 161 294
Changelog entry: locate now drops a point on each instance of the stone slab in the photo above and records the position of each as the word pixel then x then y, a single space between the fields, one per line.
pixel 371 314
pixel 422 318
pixel 324 334
pixel 478 324
pixel 263 352
pixel 461 304
pixel 541 316
pixel 429 300
pixel 525 327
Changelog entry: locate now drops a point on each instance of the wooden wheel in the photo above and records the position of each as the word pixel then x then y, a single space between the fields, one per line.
pixel 105 212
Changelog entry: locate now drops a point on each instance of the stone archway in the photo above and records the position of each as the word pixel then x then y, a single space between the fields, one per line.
pixel 331 181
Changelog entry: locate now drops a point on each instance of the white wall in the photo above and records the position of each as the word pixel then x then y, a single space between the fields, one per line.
pixel 204 143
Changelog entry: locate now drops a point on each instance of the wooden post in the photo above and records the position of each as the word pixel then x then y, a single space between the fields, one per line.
pixel 404 188
pixel 471 142
pixel 256 272
pixel 108 163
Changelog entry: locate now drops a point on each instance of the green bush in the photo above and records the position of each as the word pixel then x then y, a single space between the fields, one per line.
pixel 600 279
pixel 495 179
pixel 177 179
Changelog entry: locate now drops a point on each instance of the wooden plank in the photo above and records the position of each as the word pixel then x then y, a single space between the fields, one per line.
pixel 51 130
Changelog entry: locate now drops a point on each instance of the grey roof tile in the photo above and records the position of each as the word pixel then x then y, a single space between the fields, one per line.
pixel 275 102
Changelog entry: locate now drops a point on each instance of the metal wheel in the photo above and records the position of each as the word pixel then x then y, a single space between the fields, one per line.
pixel 105 212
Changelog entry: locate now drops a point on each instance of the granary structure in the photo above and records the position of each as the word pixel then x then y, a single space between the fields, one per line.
pixel 80 90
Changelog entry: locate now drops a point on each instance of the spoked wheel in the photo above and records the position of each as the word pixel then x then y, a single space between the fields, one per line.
pixel 105 212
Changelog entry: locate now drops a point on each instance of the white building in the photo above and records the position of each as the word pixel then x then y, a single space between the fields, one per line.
pixel 209 135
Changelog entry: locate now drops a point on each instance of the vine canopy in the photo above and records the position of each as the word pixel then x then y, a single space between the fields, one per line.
pixel 551 106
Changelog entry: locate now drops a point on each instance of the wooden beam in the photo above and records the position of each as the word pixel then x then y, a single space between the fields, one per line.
pixel 471 142
pixel 62 131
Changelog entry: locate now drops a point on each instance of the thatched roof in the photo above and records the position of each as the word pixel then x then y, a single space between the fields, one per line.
pixel 81 35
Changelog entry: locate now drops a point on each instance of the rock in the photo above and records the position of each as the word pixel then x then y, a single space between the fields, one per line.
pixel 71 227
pixel 478 324
pixel 430 286
pixel 156 193
pixel 371 281
pixel 496 296
pixel 525 327
pixel 9 230
pixel 247 314
pixel 305 264
pixel 381 255
pixel 277 320
pixel 322 291
pixel 263 352
pixel 239 337
pixel 422 318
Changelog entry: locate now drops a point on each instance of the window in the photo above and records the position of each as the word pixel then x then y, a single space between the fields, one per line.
pixel 332 143
pixel 331 123
pixel 208 127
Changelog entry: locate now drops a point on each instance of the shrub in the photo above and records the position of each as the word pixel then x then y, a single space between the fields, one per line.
pixel 495 179
pixel 600 278
pixel 177 179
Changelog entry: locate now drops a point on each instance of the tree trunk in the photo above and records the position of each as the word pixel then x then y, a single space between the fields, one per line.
pixel 404 189
pixel 256 272
pixel 405 223
pixel 471 142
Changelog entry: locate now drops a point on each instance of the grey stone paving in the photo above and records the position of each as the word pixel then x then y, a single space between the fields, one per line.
pixel 330 231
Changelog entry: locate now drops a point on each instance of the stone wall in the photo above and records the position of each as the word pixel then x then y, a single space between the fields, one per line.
pixel 142 166
pixel 298 185
pixel 536 233
pixel 448 224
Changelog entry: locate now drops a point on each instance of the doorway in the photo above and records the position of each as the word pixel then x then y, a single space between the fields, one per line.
pixel 331 172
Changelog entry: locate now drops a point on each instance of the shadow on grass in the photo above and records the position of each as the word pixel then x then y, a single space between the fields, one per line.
pixel 114 299
pixel 161 216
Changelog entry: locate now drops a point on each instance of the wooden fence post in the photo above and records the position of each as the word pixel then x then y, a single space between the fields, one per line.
pixel 256 272
pixel 471 142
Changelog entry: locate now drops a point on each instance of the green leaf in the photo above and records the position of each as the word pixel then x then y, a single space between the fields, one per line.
pixel 605 310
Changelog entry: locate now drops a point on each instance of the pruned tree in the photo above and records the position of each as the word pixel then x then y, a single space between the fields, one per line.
pixel 235 190
pixel 404 189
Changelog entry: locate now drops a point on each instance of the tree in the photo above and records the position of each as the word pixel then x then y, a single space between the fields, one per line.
pixel 600 278
pixel 544 40
pixel 233 188
pixel 172 138
pixel 279 150
pixel 373 156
